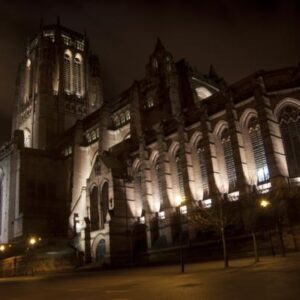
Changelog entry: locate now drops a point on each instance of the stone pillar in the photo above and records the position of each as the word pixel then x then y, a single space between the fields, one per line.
pixel 183 144
pixel 271 135
pixel 162 160
pixel 145 174
pixel 237 145
pixel 164 224
pixel 209 151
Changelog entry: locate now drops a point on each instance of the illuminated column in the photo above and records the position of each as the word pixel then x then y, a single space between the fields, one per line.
pixel 236 143
pixel 209 151
pixel 145 173
pixel 162 161
pixel 183 144
pixel 165 179
pixel 271 134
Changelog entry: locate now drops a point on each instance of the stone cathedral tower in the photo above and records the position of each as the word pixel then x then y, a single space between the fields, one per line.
pixel 58 83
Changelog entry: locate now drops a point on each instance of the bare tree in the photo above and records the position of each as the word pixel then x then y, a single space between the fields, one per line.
pixel 219 216
pixel 249 206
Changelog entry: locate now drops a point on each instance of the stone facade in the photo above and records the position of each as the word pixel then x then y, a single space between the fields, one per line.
pixel 113 176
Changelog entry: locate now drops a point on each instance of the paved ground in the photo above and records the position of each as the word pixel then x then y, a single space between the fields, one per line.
pixel 273 278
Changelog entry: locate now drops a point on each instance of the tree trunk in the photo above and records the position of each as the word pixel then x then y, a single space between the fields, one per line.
pixel 294 239
pixel 282 246
pixel 255 248
pixel 225 256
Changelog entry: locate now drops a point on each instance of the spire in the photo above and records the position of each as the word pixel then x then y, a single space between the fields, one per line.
pixel 58 21
pixel 214 76
pixel 159 45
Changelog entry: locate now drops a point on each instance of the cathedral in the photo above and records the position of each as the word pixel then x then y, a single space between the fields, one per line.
pixel 111 177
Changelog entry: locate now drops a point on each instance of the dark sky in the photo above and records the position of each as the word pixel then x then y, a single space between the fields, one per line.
pixel 237 37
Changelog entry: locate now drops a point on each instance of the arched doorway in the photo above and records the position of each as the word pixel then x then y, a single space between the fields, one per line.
pixel 100 251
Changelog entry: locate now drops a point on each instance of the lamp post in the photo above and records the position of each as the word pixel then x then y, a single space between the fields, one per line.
pixel 182 210
pixel 264 204
pixel 32 242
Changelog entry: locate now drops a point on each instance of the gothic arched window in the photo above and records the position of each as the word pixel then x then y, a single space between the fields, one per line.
pixel 228 157
pixel 127 114
pixel 116 121
pixel 94 209
pixel 68 72
pixel 203 169
pixel 178 161
pixel 78 76
pixel 289 119
pixel 262 170
pixel 158 175
pixel 122 118
pixel 104 203
pixel 27 81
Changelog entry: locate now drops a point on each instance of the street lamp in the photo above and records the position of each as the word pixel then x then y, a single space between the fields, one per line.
pixel 32 242
pixel 264 203
pixel 2 248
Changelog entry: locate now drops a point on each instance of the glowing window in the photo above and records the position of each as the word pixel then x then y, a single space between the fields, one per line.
pixel 67 72
pixel 79 45
pixel 149 103
pixel 77 76
pixel 228 157
pixel 122 118
pixel 117 121
pixel 290 130
pixel 203 169
pixel 50 35
pixel 207 203
pixel 262 170
pixel 66 39
pixel 127 114
pixel 203 93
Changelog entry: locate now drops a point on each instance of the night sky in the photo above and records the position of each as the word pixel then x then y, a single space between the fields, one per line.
pixel 237 37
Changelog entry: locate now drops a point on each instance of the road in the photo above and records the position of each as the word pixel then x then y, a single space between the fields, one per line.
pixel 272 278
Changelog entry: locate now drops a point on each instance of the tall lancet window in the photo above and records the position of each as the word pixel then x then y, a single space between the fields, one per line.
pixel 289 119
pixel 27 80
pixel 262 170
pixel 158 177
pixel 138 190
pixel 203 169
pixel 94 208
pixel 1 197
pixel 104 203
pixel 78 76
pixel 68 72
pixel 179 166
pixel 228 157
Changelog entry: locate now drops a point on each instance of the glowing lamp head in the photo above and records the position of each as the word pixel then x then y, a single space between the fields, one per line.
pixel 32 241
pixel 264 203
pixel 2 248
pixel 179 200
